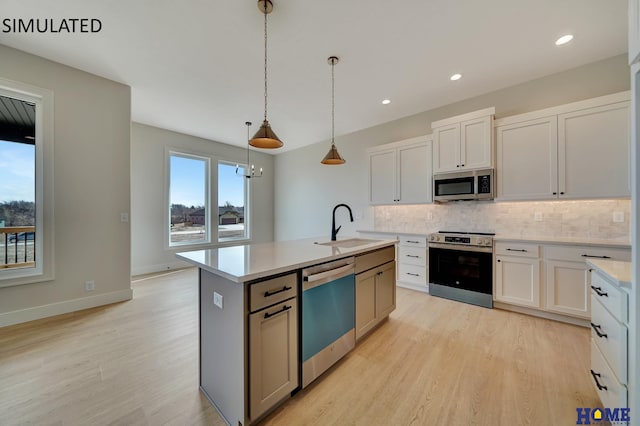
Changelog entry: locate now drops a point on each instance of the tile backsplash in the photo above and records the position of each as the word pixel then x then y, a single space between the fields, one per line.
pixel 571 219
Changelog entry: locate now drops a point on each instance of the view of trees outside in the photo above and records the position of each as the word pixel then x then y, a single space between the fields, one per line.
pixel 17 201
pixel 188 207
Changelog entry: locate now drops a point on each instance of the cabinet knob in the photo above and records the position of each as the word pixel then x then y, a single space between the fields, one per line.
pixel 458 165
pixel 562 193
pixel 555 193
pixel 499 260
pixel 461 165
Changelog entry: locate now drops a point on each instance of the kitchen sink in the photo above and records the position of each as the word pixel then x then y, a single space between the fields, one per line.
pixel 349 243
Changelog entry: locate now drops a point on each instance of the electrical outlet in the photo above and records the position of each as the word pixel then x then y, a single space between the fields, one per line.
pixel 537 216
pixel 217 299
pixel 429 216
pixel 618 217
pixel 89 285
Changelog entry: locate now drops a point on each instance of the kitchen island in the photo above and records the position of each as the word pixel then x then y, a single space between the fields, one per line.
pixel 273 317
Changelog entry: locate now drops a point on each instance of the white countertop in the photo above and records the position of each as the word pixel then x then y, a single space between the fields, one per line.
pixel 619 272
pixel 566 240
pixel 251 261
pixel 617 243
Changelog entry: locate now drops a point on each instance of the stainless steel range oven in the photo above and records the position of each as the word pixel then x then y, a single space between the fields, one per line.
pixel 461 267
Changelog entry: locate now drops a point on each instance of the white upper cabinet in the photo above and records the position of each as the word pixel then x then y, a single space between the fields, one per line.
pixel 527 161
pixel 463 142
pixel 401 172
pixel 579 150
pixel 594 152
pixel 634 31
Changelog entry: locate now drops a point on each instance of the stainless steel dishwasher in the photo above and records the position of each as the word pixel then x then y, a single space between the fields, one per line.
pixel 328 316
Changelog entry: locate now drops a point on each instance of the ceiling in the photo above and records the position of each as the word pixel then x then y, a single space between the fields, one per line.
pixel 196 66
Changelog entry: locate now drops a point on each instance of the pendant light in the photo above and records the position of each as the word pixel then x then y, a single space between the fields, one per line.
pixel 265 137
pixel 251 170
pixel 333 157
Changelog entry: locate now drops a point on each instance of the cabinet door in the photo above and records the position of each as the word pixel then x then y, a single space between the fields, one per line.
pixel 382 177
pixel 594 152
pixel 518 281
pixel 365 302
pixel 273 355
pixel 476 143
pixel 415 174
pixel 527 167
pixel 385 290
pixel 567 287
pixel 446 148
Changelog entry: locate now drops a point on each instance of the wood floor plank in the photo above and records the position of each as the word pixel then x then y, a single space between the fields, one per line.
pixel 432 362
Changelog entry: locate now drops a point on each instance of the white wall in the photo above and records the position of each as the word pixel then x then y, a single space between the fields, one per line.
pixel 148 144
pixel 92 119
pixel 306 191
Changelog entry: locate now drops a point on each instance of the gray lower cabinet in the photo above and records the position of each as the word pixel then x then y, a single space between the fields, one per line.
pixel 375 293
pixel 273 353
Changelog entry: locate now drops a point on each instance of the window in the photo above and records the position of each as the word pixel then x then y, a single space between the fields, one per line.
pixel 26 184
pixel 188 199
pixel 232 202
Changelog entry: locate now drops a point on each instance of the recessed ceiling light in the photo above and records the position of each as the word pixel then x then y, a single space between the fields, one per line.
pixel 456 77
pixel 564 39
pixel 386 102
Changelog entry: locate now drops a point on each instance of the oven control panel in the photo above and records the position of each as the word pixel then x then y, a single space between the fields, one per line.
pixel 464 239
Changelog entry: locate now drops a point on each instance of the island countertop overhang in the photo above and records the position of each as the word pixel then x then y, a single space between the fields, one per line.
pixel 254 261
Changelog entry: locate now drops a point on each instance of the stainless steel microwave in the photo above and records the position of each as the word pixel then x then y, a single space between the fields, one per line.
pixel 467 185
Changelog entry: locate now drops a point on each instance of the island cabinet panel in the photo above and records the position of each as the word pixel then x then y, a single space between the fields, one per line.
pixel 273 360
pixel 223 372
pixel 365 302
pixel 385 289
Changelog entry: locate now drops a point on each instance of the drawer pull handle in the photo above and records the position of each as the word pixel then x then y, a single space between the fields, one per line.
pixel 379 273
pixel 285 308
pixel 271 293
pixel 412 255
pixel 596 328
pixel 413 275
pixel 595 377
pixel 413 242
pixel 596 257
pixel 599 291
pixel 522 250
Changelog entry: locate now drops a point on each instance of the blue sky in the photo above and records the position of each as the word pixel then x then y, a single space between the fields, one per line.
pixel 188 177
pixel 17 172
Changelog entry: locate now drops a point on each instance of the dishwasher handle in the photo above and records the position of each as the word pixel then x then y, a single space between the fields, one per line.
pixel 334 273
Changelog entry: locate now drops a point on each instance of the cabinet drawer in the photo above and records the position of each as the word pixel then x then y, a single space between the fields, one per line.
pixel 374 258
pixel 612 298
pixel 580 254
pixel 412 273
pixel 413 241
pixel 611 338
pixel 517 249
pixel 266 293
pixel 612 394
pixel 412 255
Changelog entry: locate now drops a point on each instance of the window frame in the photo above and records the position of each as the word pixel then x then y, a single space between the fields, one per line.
pixel 44 185
pixel 207 195
pixel 211 193
pixel 247 201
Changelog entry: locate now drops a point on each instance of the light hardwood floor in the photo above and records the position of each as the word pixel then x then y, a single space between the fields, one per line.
pixel 433 362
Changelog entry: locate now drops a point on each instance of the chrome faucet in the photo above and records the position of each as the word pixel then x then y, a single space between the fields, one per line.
pixel 334 230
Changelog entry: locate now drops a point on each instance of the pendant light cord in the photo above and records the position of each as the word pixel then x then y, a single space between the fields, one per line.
pixel 265 60
pixel 333 103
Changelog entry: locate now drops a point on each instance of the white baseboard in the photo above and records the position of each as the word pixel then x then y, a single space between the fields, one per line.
pixel 542 314
pixel 161 267
pixel 45 311
pixel 424 288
